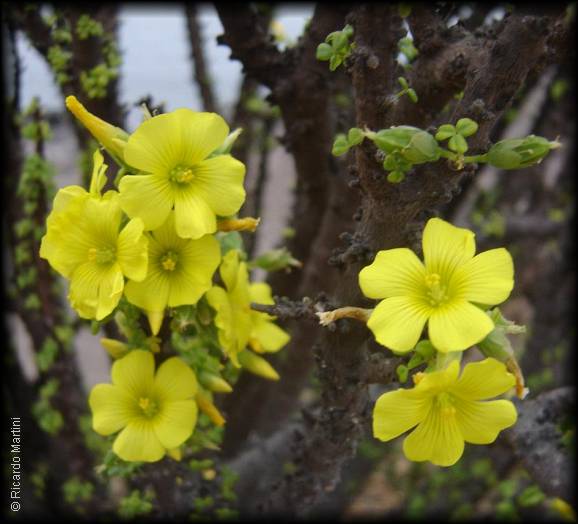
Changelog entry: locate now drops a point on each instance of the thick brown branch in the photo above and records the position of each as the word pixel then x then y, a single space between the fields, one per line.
pixel 202 77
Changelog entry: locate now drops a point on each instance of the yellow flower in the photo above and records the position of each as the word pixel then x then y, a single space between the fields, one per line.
pixel 171 150
pixel 232 306
pixel 441 291
pixel 237 324
pixel 83 243
pixel 447 411
pixel 156 413
pixel 180 271
pixel 112 138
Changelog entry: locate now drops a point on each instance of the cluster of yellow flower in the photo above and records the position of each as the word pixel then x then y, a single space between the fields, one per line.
pixel 152 240
pixel 450 291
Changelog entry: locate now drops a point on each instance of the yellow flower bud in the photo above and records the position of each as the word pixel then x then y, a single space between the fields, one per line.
pixel 257 365
pixel 112 138
pixel 214 382
pixel 208 408
pixel 238 224
pixel 115 348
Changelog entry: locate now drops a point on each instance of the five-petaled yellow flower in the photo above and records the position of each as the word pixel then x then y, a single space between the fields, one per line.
pixel 441 291
pixel 447 411
pixel 83 243
pixel 171 151
pixel 156 413
pixel 180 271
pixel 237 324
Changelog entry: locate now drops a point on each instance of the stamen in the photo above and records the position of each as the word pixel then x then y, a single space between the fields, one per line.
pixel 169 261
pixel 437 293
pixel 148 406
pixel 102 255
pixel 181 174
pixel 445 403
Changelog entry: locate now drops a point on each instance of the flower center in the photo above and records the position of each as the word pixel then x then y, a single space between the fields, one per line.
pixel 149 407
pixel 437 294
pixel 101 255
pixel 169 261
pixel 445 405
pixel 181 174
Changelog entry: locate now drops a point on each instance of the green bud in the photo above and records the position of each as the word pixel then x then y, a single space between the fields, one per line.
pixel 516 153
pixel 404 9
pixel 227 145
pixel 422 148
pixel 402 372
pixel 348 31
pixel 275 259
pixel 324 52
pixel 403 82
pixel 426 349
pixel 340 146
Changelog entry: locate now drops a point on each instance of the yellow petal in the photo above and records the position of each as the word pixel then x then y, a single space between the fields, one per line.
pixel 488 278
pixel 66 195
pixel 198 261
pixel 152 294
pixel 445 247
pixel 485 379
pixel 175 422
pixel 134 373
pixel 132 250
pixel 394 272
pixel 194 217
pixel 138 442
pixel 202 133
pixel 439 381
pixel 149 197
pixel 155 319
pixel 270 337
pixel 219 181
pixel 458 325
pixel 96 289
pixel 229 269
pixel 112 408
pixel 260 293
pixel 480 422
pixel 175 453
pixel 437 439
pixel 175 381
pixel 397 322
pixel 397 411
pixel 156 145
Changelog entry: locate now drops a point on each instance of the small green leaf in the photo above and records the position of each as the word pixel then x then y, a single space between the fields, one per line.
pixel 412 95
pixel 403 82
pixel 355 136
pixel 335 62
pixel 348 31
pixel 458 144
pixel 340 145
pixel 404 10
pixel 445 131
pixel 531 496
pixel 395 177
pixel 340 42
pixel 324 52
pixel 466 127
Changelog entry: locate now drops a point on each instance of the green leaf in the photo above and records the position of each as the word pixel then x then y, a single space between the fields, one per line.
pixel 466 127
pixel 348 31
pixel 445 131
pixel 458 144
pixel 355 136
pixel 412 95
pixel 403 82
pixel 395 177
pixel 324 52
pixel 340 146
pixel 341 41
pixel 335 62
pixel 531 496
pixel 404 10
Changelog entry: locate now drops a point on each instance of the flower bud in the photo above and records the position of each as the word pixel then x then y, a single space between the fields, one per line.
pixel 414 144
pixel 227 145
pixel 515 153
pixel 115 348
pixel 214 382
pixel 257 365
pixel 112 138
pixel 208 408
